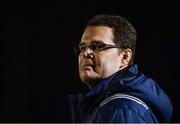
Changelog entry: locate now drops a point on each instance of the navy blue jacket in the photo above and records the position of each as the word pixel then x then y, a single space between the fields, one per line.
pixel 127 96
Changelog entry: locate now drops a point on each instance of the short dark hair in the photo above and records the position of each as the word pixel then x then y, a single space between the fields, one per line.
pixel 124 33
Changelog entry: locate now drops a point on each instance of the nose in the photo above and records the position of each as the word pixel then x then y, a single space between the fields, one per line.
pixel 88 53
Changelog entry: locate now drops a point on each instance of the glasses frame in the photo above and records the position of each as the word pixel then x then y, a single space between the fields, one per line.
pixel 77 49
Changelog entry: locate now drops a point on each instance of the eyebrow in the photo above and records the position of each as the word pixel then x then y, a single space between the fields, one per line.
pixel 82 44
pixel 94 41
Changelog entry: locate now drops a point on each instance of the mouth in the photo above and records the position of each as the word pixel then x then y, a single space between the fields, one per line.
pixel 88 66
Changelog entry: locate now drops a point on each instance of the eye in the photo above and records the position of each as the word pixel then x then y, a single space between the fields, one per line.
pixel 97 46
pixel 82 47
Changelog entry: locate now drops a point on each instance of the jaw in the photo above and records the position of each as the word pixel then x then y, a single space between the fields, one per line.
pixel 89 77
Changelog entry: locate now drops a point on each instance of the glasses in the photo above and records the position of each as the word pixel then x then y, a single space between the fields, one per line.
pixel 95 47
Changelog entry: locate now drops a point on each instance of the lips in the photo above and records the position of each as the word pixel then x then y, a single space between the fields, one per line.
pixel 87 65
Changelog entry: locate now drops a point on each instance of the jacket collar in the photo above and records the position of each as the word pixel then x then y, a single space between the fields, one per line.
pixel 101 86
pixel 121 77
pixel 122 81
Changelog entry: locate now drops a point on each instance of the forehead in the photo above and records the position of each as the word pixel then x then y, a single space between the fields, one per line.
pixel 97 33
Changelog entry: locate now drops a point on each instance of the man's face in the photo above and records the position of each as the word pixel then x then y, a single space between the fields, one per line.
pixel 101 64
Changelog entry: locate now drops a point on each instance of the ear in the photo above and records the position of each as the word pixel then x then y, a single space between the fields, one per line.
pixel 127 55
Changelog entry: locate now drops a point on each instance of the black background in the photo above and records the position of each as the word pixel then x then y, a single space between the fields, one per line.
pixel 40 69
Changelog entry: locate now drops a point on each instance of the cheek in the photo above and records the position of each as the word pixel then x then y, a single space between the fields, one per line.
pixel 79 60
pixel 108 64
pixel 79 63
pixel 101 64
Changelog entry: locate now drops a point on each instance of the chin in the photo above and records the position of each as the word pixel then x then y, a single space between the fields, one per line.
pixel 90 82
pixel 86 78
pixel 86 74
pixel 90 79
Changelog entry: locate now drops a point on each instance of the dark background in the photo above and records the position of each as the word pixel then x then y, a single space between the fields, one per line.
pixel 40 69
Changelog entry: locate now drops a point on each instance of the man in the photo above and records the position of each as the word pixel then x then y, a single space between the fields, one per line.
pixel 118 92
